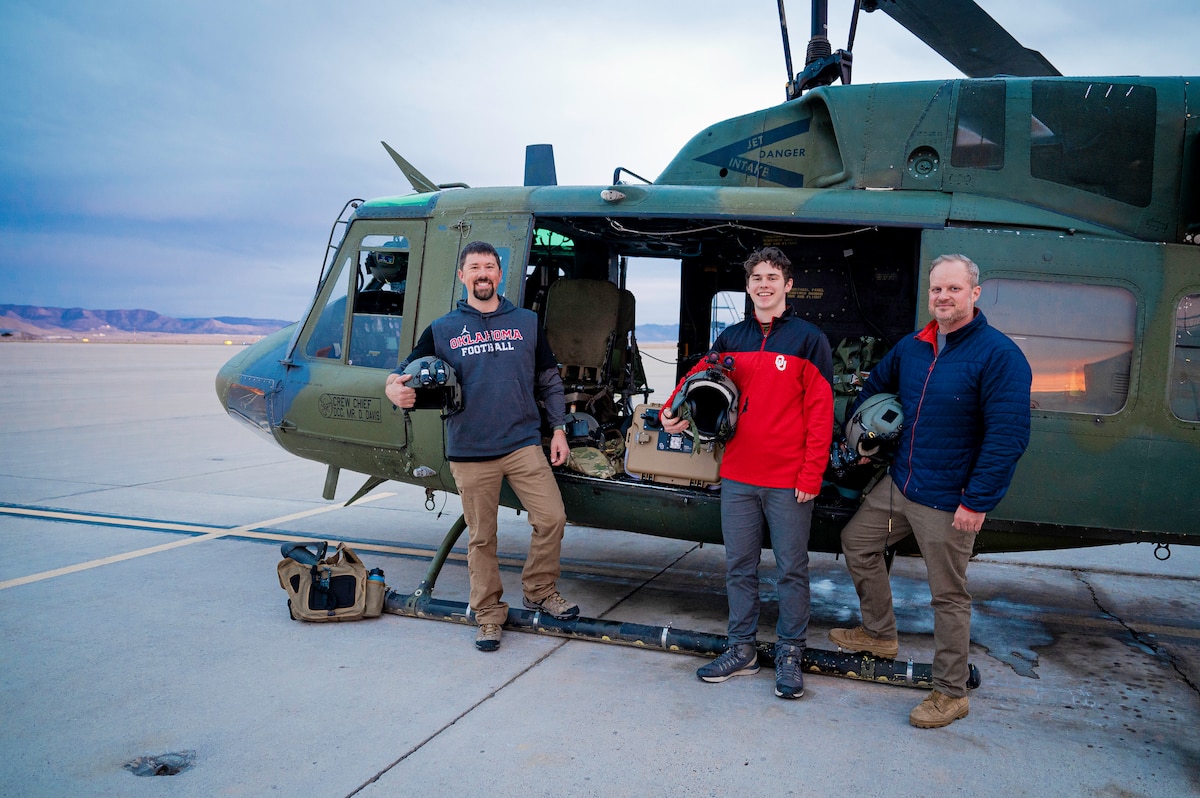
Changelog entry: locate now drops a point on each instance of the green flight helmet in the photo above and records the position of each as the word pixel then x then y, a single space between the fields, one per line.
pixel 709 400
pixel 877 422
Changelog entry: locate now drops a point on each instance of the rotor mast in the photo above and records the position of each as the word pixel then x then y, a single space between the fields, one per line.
pixel 822 65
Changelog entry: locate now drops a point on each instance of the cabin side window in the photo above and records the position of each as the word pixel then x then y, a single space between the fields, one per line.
pixel 727 309
pixel 1185 368
pixel 1095 136
pixel 979 128
pixel 1078 339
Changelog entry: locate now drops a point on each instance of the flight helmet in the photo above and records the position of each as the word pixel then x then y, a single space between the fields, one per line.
pixel 436 385
pixel 878 421
pixel 709 401
pixel 388 267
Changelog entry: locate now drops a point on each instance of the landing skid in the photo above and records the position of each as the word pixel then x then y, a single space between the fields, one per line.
pixel 864 667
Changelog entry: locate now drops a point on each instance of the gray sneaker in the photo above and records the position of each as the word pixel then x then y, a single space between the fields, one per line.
pixel 740 659
pixel 789 678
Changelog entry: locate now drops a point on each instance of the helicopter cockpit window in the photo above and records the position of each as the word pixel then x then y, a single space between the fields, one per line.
pixel 1078 339
pixel 380 282
pixel 328 335
pixel 1185 369
pixel 979 129
pixel 1096 137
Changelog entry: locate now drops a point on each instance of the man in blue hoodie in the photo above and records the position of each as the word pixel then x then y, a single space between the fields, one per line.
pixel 964 387
pixel 504 366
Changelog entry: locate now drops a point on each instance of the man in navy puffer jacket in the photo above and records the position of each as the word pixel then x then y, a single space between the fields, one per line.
pixel 965 391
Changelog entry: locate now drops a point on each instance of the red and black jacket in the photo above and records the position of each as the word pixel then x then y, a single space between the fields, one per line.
pixel 784 379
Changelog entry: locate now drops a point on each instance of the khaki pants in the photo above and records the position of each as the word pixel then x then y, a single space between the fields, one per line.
pixel 529 475
pixel 885 518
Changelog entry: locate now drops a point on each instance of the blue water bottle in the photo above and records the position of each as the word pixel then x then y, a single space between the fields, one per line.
pixel 376 589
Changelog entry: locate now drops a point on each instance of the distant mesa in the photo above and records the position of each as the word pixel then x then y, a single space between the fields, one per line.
pixel 657 333
pixel 32 323
pixel 29 322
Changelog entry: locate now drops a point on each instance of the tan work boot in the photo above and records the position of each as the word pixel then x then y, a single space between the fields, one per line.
pixel 488 637
pixel 857 639
pixel 553 605
pixel 939 710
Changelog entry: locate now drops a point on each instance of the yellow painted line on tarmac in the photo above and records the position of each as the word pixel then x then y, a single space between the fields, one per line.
pixel 207 533
pixel 61 515
pixel 383 548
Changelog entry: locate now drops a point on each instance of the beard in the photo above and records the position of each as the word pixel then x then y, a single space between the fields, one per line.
pixel 483 290
pixel 949 314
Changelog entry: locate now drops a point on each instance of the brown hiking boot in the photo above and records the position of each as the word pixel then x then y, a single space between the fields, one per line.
pixel 857 639
pixel 488 637
pixel 553 605
pixel 939 710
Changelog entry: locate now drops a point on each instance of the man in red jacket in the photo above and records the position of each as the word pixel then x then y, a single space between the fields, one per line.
pixel 772 466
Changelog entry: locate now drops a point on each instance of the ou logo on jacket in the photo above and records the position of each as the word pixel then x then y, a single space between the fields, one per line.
pixel 780 362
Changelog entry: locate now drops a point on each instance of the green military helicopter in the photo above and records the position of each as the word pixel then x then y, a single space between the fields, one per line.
pixel 1079 197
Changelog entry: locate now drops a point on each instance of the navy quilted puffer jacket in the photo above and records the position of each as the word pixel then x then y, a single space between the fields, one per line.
pixel 966 414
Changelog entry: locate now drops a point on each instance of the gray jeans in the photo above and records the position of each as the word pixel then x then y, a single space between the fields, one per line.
pixel 744 509
pixel 885 518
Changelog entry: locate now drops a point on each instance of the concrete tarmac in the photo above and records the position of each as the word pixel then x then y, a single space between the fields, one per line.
pixel 142 626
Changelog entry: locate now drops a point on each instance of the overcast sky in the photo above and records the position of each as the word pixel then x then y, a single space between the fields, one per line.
pixel 190 157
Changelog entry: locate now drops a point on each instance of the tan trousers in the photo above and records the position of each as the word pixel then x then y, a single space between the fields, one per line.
pixel 529 475
pixel 885 518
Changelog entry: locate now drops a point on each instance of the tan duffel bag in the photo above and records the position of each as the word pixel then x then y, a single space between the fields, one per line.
pixel 323 588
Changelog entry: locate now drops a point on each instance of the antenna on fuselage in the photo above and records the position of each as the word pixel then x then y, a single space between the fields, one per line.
pixel 539 165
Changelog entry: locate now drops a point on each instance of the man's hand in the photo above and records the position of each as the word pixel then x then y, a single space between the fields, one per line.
pixel 670 423
pixel 802 497
pixel 560 450
pixel 400 394
pixel 967 520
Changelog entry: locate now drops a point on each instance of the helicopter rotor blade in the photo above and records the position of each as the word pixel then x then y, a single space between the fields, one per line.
pixel 966 36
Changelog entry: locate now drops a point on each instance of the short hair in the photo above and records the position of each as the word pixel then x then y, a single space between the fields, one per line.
pixel 477 248
pixel 972 269
pixel 771 255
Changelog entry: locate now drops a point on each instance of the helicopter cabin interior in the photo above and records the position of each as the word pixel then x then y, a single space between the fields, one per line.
pixel 851 282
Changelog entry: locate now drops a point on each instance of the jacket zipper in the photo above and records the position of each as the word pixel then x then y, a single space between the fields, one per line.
pixel 920 404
